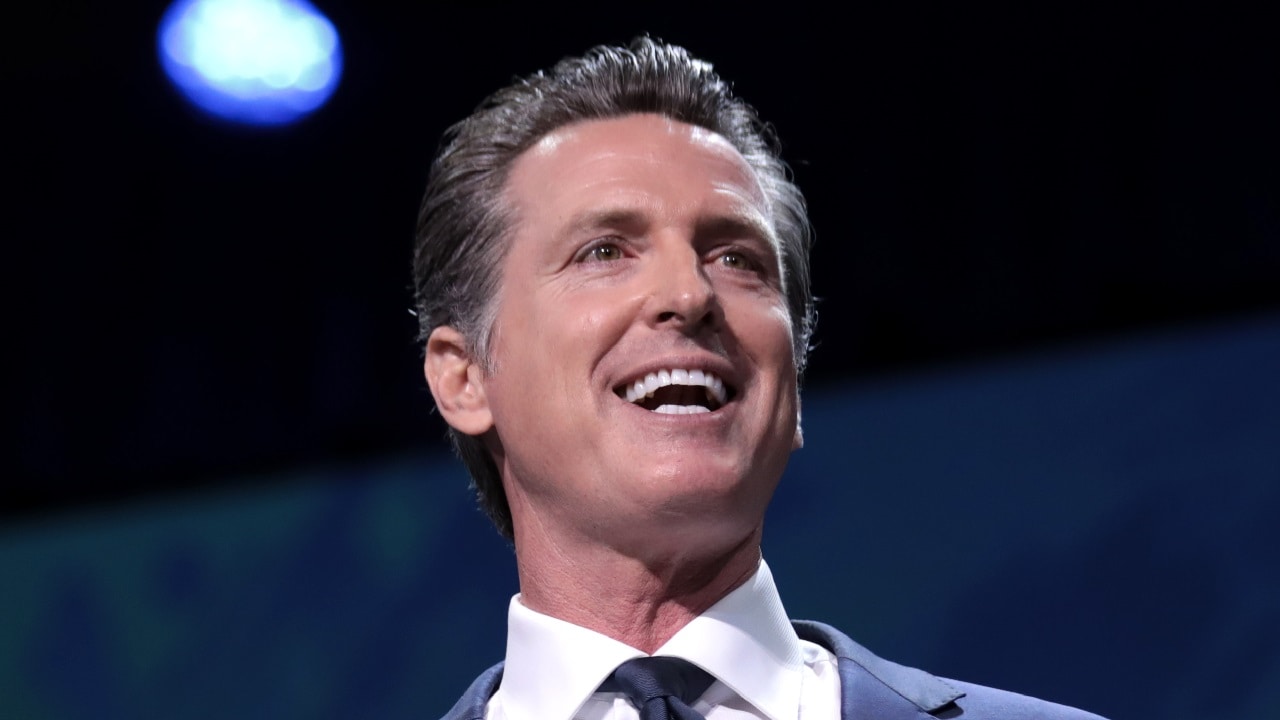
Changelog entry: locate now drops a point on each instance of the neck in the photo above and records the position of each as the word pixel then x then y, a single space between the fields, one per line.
pixel 638 600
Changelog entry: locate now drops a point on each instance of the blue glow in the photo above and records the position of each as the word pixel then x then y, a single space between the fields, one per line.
pixel 262 62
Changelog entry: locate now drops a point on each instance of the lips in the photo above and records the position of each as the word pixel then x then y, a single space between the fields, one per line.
pixel 677 391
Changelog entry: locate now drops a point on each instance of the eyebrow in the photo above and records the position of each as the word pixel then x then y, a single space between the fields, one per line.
pixel 634 220
pixel 594 219
pixel 737 225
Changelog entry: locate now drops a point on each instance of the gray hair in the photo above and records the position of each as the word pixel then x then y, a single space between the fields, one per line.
pixel 463 221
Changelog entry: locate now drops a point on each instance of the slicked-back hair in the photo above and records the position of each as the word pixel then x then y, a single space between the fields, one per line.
pixel 464 223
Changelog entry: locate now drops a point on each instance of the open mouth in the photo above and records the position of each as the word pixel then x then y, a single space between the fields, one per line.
pixel 677 392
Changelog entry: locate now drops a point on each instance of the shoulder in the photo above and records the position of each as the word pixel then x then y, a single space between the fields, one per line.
pixel 980 703
pixel 874 687
pixel 472 704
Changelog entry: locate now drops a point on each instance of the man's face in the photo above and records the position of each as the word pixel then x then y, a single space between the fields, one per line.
pixel 641 255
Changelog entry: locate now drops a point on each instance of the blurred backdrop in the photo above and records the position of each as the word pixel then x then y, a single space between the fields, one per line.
pixel 1045 400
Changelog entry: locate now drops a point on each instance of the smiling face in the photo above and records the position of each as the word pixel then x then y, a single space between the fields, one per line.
pixel 642 373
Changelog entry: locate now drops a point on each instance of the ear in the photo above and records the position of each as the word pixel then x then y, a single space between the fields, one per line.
pixel 457 382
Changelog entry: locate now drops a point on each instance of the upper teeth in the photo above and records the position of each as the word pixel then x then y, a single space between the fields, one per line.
pixel 641 389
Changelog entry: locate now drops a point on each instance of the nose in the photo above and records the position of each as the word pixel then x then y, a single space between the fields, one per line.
pixel 682 294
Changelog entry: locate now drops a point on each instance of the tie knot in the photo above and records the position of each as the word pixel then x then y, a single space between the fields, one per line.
pixel 647 678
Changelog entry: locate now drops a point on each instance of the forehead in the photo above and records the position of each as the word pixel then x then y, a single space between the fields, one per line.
pixel 581 161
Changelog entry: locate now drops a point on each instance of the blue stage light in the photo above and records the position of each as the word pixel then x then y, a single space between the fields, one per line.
pixel 262 62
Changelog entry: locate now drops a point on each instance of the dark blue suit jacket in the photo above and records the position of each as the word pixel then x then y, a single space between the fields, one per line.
pixel 870 689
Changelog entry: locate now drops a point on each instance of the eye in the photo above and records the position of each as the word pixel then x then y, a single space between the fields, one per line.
pixel 602 252
pixel 737 260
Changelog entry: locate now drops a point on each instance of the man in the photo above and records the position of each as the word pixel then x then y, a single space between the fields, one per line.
pixel 612 280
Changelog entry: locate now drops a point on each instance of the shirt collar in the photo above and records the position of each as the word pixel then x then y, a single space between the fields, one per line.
pixel 553 666
pixel 745 640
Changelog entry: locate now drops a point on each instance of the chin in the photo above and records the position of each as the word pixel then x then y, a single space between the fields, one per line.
pixel 712 497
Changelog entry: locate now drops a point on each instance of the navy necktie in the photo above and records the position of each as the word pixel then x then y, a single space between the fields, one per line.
pixel 661 687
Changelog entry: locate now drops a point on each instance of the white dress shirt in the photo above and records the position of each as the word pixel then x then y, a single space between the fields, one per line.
pixel 761 668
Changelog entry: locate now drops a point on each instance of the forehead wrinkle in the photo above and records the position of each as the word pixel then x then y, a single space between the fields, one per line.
pixel 740 188
pixel 726 152
pixel 714 145
pixel 753 206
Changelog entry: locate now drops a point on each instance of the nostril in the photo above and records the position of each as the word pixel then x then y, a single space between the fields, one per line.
pixel 695 318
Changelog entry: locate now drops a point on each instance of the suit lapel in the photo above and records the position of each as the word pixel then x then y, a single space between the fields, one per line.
pixel 872 688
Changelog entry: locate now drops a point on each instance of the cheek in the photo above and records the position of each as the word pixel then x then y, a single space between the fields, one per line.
pixel 771 331
pixel 601 323
pixel 555 343
pixel 774 354
pixel 602 318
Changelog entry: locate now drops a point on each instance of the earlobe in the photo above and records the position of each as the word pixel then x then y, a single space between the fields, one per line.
pixel 456 382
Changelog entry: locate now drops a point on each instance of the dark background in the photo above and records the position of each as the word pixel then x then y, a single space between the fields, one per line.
pixel 201 311
pixel 194 300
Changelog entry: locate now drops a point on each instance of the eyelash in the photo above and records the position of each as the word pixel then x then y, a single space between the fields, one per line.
pixel 588 254
pixel 749 261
